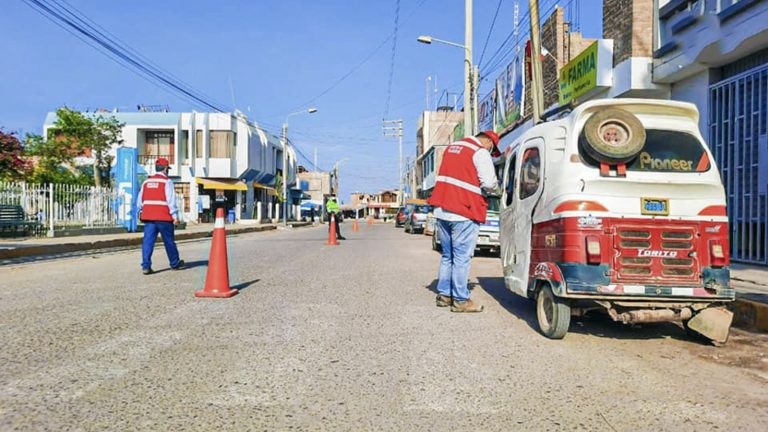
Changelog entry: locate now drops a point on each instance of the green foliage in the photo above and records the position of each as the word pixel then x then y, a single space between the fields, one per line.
pixel 80 132
pixel 13 166
pixel 73 135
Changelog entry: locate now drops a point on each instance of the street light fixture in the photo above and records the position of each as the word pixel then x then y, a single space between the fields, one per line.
pixel 470 81
pixel 285 161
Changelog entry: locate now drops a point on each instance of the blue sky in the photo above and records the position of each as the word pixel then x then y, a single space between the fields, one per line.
pixel 278 55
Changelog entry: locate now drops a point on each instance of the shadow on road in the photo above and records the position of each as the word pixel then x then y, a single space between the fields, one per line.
pixel 243 285
pixel 595 324
pixel 518 306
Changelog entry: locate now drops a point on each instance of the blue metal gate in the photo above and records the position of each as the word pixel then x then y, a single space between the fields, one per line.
pixel 738 128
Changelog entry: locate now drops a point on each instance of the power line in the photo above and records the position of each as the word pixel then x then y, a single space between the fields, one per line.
pixel 392 60
pixel 490 32
pixel 71 19
pixel 359 65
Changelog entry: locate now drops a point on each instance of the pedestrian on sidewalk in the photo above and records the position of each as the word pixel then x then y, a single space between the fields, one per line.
pixel 332 207
pixel 158 212
pixel 460 207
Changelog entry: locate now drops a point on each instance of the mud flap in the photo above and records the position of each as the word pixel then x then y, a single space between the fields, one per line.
pixel 713 323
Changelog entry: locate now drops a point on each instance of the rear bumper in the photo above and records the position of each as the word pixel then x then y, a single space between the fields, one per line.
pixel 591 281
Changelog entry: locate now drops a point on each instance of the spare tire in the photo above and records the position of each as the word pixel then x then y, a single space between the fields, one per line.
pixel 613 135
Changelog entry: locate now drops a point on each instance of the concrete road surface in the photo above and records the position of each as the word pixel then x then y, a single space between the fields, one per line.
pixel 340 338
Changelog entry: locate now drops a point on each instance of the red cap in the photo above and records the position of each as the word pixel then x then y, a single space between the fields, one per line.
pixel 495 139
pixel 162 161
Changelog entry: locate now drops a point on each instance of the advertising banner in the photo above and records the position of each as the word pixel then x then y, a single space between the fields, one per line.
pixel 591 69
pixel 127 181
pixel 510 93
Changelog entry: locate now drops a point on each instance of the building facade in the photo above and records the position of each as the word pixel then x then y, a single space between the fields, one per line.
pixel 435 130
pixel 714 53
pixel 209 152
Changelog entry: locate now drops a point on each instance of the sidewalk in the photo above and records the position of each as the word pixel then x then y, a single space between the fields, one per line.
pixel 751 306
pixel 26 247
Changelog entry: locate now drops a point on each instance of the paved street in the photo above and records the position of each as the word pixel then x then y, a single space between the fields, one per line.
pixel 340 338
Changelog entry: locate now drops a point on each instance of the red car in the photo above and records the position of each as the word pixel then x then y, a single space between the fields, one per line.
pixel 400 218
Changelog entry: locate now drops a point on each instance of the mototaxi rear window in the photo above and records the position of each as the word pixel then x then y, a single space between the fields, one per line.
pixel 664 151
pixel 422 209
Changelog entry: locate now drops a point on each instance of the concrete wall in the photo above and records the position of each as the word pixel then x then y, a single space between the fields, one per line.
pixel 695 89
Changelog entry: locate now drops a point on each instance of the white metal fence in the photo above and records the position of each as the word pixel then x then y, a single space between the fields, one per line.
pixel 57 206
pixel 61 206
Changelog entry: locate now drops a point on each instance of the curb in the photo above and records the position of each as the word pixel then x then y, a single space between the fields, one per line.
pixel 749 314
pixel 23 252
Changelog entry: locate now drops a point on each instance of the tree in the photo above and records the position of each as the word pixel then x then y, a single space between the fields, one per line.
pixel 13 166
pixel 53 161
pixel 86 133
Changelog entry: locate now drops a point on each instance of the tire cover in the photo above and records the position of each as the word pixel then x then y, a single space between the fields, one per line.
pixel 614 135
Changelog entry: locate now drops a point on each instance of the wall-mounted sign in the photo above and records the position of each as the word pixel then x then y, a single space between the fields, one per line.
pixel 591 69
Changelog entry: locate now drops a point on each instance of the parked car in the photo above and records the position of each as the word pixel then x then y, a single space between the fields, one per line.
pixel 488 235
pixel 430 226
pixel 400 217
pixel 416 217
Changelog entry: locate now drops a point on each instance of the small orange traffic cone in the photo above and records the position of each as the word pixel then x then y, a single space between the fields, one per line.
pixel 217 278
pixel 370 220
pixel 355 226
pixel 332 233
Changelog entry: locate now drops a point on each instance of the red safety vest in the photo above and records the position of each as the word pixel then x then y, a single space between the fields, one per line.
pixel 457 186
pixel 154 202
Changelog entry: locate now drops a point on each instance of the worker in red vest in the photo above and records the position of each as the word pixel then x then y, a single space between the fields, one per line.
pixel 158 212
pixel 460 207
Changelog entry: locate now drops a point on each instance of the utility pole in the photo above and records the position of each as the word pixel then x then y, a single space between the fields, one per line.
pixel 469 127
pixel 285 174
pixel 537 92
pixel 394 128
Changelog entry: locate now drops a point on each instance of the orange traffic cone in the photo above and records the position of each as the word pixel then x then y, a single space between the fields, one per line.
pixel 355 226
pixel 217 278
pixel 332 233
pixel 370 220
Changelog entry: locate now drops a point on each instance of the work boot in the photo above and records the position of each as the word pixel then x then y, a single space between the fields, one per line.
pixel 147 271
pixel 180 266
pixel 442 301
pixel 466 306
pixel 341 238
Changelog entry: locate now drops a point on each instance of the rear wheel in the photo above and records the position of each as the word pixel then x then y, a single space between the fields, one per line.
pixel 553 313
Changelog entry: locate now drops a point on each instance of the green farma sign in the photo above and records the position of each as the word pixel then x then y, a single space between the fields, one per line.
pixel 579 75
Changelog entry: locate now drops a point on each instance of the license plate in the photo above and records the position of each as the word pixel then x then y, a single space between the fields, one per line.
pixel 654 206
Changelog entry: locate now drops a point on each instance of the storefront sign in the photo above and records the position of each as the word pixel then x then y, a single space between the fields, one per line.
pixel 589 70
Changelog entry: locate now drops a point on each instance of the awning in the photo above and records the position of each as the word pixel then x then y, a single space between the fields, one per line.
pixel 270 190
pixel 224 184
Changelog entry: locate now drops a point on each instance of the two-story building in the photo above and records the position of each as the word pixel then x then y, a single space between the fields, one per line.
pixel 209 152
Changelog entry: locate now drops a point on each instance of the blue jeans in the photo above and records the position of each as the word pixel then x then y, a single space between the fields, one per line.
pixel 457 240
pixel 148 245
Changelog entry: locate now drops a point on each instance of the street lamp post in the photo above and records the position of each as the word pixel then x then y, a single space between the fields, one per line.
pixel 470 88
pixel 285 162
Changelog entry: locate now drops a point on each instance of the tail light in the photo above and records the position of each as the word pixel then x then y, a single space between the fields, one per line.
pixel 716 253
pixel 593 249
pixel 413 217
pixel 579 206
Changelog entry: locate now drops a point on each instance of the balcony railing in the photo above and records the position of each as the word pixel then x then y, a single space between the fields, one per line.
pixel 147 159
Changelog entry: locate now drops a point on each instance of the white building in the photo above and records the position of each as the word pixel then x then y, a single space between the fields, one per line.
pixel 210 151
